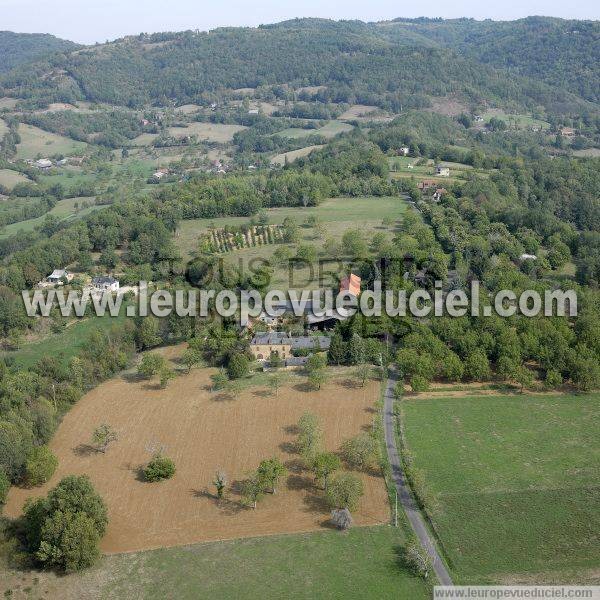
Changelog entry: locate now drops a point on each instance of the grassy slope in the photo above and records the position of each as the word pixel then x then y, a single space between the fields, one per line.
pixel 516 481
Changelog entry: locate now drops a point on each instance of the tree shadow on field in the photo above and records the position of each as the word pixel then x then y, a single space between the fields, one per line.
pixel 292 429
pixel 84 450
pixel 227 504
pixel 303 387
pixel 133 377
pixel 349 384
pixel 294 465
pixel 316 503
pixel 288 447
pixel 223 397
pixel 296 482
pixel 263 393
pixel 370 410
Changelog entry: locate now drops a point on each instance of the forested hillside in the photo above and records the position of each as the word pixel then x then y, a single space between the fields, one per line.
pixel 565 54
pixel 355 62
pixel 19 48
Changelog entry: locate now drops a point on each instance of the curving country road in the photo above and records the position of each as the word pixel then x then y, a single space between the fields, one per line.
pixel 405 496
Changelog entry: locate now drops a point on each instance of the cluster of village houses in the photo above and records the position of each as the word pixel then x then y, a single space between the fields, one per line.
pixel 43 164
pixel 99 284
pixel 293 350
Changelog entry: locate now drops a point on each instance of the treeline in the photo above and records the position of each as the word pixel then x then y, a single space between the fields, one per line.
pixel 111 128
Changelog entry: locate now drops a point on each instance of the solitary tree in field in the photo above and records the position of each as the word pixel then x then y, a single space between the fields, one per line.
pixel 274 382
pixel 191 357
pixel 416 560
pixel 317 378
pixel 344 491
pixel 103 436
pixel 309 436
pixel 271 471
pixel 151 365
pixel 165 376
pixel 361 452
pixel 323 465
pixel 362 373
pixel 220 482
pixel 253 489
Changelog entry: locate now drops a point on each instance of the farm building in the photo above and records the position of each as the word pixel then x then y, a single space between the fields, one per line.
pixel 567 132
pixel 58 276
pixel 43 163
pixel 284 345
pixel 442 171
pixel 105 284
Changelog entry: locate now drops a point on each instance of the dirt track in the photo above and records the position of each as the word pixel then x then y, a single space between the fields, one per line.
pixel 203 432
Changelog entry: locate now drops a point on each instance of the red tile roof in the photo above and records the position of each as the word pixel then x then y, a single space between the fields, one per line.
pixel 351 284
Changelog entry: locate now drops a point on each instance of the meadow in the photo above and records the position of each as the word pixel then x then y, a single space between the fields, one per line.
pixel 37 142
pixel 64 210
pixel 512 482
pixel 328 131
pixel 280 159
pixel 211 132
pixel 9 178
pixel 324 564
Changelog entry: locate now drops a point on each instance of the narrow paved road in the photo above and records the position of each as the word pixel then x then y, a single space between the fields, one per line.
pixel 405 496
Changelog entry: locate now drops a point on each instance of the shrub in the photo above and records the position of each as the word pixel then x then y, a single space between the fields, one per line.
pixel 238 366
pixel 40 466
pixel 159 468
pixel 4 486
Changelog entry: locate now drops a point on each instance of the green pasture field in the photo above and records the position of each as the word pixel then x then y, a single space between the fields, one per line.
pixel 513 482
pixel 337 214
pixel 211 132
pixel 64 209
pixel 9 178
pixel 35 141
pixel 291 156
pixel 328 131
pixel 64 345
pixel 362 563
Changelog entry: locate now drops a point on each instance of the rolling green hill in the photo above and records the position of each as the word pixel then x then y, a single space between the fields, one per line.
pixel 19 48
pixel 391 65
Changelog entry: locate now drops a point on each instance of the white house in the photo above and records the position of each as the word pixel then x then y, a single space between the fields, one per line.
pixel 43 163
pixel 58 276
pixel 105 284
pixel 528 257
pixel 405 150
pixel 442 171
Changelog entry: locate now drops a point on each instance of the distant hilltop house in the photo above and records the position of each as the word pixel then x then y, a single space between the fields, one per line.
pixel 59 276
pixel 160 173
pixel 427 184
pixel 442 171
pixel 567 132
pixel 404 150
pixel 43 163
pixel 253 111
pixel 283 344
pixel 528 257
pixel 351 284
pixel 105 284
pixel 478 119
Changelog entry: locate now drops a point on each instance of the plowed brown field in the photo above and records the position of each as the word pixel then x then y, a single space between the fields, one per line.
pixel 202 432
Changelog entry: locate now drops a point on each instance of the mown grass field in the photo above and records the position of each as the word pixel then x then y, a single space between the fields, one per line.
pixel 357 565
pixel 514 483
pixel 211 132
pixel 35 141
pixel 328 131
pixel 64 345
pixel 291 156
pixel 9 178
pixel 64 209
pixel 336 214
